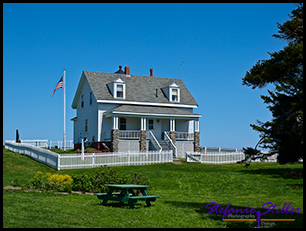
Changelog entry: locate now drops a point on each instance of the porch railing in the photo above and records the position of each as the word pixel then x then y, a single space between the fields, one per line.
pixel 183 135
pixel 135 134
pixel 129 134
pixel 123 134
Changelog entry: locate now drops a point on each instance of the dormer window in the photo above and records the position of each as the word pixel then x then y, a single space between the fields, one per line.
pixel 172 92
pixel 118 88
pixel 119 91
pixel 174 95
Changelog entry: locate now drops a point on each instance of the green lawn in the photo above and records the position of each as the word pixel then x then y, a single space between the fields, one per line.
pixel 184 192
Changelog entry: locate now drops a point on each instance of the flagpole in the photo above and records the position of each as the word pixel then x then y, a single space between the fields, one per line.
pixel 64 87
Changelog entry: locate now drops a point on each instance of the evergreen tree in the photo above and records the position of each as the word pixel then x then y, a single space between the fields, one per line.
pixel 284 133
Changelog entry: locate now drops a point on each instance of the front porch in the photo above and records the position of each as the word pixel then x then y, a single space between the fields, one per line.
pixel 141 133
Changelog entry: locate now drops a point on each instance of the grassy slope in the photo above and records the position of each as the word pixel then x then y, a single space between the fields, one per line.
pixel 184 191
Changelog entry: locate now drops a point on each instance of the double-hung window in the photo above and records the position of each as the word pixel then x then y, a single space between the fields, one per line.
pixel 122 124
pixel 86 125
pixel 82 101
pixel 151 124
pixel 119 91
pixel 174 95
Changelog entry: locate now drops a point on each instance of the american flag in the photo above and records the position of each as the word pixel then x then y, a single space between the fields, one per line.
pixel 58 85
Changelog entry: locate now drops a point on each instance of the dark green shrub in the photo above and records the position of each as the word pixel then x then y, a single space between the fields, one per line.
pixel 95 180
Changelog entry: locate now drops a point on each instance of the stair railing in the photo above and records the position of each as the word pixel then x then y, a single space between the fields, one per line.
pixel 154 141
pixel 170 144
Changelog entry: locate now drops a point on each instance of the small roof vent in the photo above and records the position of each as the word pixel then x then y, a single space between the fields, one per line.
pixel 120 71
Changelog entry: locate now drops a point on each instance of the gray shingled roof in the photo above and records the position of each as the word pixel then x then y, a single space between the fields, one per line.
pixel 152 110
pixel 138 88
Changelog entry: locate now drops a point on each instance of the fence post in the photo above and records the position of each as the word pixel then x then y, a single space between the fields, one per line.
pixel 93 159
pixel 38 155
pixel 58 162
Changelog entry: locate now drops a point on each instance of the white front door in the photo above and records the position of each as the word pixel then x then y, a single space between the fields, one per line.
pixel 154 125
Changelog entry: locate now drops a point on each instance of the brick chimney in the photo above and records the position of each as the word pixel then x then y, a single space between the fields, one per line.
pixel 151 72
pixel 127 70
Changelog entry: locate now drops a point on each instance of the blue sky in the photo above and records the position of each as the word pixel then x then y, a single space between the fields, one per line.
pixel 217 42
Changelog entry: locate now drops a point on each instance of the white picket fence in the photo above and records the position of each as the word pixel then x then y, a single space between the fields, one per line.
pixel 45 143
pixel 42 155
pixel 37 143
pixel 222 158
pixel 59 144
pixel 89 160
pixel 214 158
pixel 218 150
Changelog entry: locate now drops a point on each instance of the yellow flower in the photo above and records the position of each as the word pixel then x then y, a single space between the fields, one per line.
pixel 38 174
pixel 60 179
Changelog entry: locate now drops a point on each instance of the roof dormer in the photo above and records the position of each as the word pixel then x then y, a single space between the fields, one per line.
pixel 172 92
pixel 118 88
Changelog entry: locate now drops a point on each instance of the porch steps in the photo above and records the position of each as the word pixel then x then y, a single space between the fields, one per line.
pixel 164 145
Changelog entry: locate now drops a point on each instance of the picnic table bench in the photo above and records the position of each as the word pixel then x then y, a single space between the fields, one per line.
pixel 126 194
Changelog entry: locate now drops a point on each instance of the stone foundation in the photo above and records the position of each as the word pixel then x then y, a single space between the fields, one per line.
pixel 143 141
pixel 115 140
pixel 196 143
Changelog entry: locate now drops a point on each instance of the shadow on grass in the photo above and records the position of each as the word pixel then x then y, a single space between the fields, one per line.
pixel 286 173
pixel 122 205
pixel 201 209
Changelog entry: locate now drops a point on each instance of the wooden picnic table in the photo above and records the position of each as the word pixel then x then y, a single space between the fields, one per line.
pixel 126 194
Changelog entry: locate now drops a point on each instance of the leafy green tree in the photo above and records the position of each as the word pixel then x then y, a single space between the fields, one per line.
pixel 284 133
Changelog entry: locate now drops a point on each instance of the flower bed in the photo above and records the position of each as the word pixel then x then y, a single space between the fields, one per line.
pixel 87 182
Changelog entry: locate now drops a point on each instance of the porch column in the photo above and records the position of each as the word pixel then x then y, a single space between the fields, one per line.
pixel 143 123
pixel 172 130
pixel 143 135
pixel 196 141
pixel 190 126
pixel 115 122
pixel 115 135
pixel 197 126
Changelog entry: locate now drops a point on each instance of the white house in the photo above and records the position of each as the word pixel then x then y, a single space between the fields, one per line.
pixel 135 113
